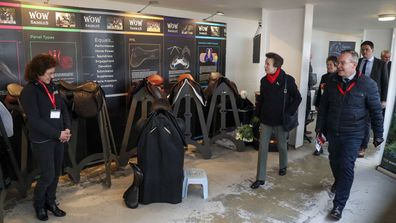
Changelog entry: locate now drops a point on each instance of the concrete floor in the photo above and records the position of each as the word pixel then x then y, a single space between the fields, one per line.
pixel 300 196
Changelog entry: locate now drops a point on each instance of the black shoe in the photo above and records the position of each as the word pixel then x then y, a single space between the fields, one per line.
pixel 41 214
pixel 333 188
pixel 317 153
pixel 282 171
pixel 55 210
pixel 257 183
pixel 336 213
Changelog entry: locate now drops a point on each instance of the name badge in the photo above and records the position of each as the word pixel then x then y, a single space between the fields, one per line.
pixel 55 113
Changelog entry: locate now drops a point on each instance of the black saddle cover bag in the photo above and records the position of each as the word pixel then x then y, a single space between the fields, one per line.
pixel 161 156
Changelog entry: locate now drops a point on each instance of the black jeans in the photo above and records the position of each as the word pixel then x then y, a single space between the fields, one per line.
pixel 49 158
pixel 343 151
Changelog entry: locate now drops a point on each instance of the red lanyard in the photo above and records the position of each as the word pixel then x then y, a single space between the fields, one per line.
pixel 51 96
pixel 347 90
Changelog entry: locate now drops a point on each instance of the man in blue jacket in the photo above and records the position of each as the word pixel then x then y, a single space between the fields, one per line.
pixel 347 99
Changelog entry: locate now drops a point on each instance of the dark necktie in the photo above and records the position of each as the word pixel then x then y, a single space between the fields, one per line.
pixel 345 83
pixel 364 67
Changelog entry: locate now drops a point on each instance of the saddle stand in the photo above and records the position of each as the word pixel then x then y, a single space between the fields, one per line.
pixel 145 99
pixel 25 178
pixel 223 91
pixel 3 193
pixel 108 145
pixel 187 93
pixel 11 156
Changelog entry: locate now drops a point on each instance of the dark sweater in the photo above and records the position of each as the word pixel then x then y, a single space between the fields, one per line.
pixel 269 104
pixel 37 106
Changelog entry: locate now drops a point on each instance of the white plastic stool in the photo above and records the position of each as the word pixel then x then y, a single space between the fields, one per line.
pixel 195 176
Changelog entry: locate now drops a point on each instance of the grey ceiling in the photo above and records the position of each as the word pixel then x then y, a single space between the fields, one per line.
pixel 343 16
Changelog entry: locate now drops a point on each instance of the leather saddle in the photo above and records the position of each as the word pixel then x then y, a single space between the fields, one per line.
pixel 215 79
pixel 86 100
pixel 14 91
pixel 152 84
pixel 182 80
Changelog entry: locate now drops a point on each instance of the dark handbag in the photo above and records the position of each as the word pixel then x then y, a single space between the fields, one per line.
pixel 290 121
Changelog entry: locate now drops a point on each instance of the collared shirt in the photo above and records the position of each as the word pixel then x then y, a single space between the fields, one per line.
pixel 369 65
pixel 351 77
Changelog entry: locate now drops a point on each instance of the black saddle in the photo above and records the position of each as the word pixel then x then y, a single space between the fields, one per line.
pixel 175 90
pixel 85 100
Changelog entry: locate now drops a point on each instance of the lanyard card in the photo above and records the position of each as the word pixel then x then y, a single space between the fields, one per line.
pixel 55 114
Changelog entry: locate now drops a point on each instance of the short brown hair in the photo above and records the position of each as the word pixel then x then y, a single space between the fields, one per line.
pixel 368 43
pixel 332 59
pixel 38 65
pixel 278 60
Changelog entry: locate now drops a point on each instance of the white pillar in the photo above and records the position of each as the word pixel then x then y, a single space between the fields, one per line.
pixel 390 99
pixel 306 54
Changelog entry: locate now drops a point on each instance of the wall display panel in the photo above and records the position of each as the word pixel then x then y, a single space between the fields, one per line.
pixel 388 161
pixel 110 47
pixel 64 47
pixel 179 48
pixel 11 47
pixel 103 61
pixel 210 49
pixel 336 47
pixel 11 62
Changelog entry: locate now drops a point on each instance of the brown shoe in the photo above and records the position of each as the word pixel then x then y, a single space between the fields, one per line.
pixel 362 152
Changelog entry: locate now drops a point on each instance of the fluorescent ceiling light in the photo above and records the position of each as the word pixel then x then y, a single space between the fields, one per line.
pixel 386 17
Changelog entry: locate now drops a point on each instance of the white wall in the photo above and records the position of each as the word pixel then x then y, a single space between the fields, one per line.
pixel 320 48
pixel 240 33
pixel 286 37
pixel 382 39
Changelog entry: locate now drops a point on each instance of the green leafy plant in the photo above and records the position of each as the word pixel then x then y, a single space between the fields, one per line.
pixel 245 133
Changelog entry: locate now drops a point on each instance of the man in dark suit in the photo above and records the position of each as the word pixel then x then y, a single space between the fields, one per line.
pixel 377 70
pixel 347 99
pixel 385 56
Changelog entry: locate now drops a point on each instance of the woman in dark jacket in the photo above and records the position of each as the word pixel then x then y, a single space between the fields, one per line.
pixel 331 65
pixel 269 108
pixel 48 123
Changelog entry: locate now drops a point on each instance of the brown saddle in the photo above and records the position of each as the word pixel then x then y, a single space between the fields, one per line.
pixel 85 100
pixel 152 84
pixel 14 91
pixel 215 79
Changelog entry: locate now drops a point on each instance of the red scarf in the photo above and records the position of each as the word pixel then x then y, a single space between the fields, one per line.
pixel 272 78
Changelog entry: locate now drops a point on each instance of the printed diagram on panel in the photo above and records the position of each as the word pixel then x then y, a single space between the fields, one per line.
pixel 180 57
pixel 65 53
pixel 115 23
pixel 144 59
pixel 67 20
pixel 9 63
pixel 7 16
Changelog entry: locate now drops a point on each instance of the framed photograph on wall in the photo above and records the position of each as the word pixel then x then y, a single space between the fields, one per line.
pixel 336 47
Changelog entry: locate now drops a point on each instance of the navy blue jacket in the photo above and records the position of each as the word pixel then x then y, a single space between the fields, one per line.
pixel 269 104
pixel 346 114
pixel 37 106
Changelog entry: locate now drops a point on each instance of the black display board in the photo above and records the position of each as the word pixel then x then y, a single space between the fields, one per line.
pixel 110 47
pixel 336 47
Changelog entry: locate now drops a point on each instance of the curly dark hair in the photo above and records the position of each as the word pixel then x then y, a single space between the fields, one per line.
pixel 38 65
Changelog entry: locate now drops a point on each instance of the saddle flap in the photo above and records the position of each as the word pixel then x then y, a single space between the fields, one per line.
pixel 86 100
